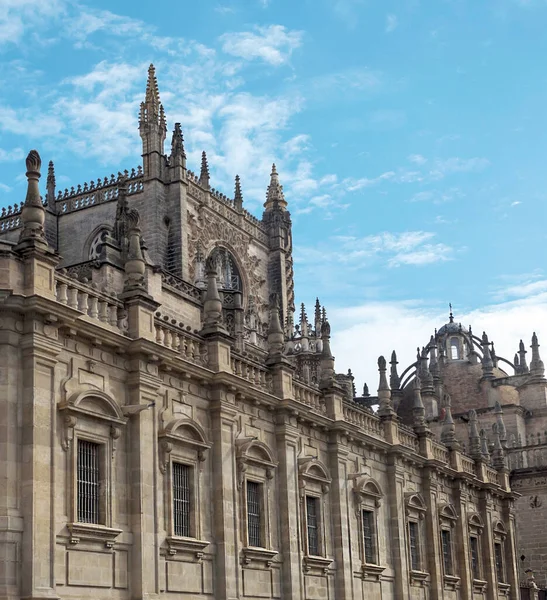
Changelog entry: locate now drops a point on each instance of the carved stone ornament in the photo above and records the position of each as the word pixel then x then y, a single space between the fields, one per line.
pixel 364 487
pixel 182 432
pixel 313 471
pixel 250 451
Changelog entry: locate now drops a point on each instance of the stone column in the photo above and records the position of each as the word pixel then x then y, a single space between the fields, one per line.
pixel 340 510
pixel 224 494
pixel 289 503
pixel 433 548
pixel 143 384
pixel 39 351
pixel 487 546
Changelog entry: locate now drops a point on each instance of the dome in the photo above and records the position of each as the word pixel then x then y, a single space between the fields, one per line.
pixel 452 327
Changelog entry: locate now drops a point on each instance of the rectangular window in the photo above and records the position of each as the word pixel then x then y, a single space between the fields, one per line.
pixel 474 548
pixel 181 499
pixel 447 551
pixel 414 541
pixel 254 513
pixel 88 482
pixel 498 554
pixel 369 536
pixel 312 517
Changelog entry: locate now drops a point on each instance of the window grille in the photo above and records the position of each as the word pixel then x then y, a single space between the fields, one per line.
pixel 474 547
pixel 446 542
pixel 369 536
pixel 313 525
pixel 254 513
pixel 498 554
pixel 181 499
pixel 414 546
pixel 88 480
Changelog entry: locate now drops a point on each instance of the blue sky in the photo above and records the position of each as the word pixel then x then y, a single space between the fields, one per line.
pixel 409 136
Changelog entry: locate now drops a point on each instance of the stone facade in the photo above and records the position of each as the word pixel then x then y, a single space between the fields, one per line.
pixel 473 403
pixel 169 431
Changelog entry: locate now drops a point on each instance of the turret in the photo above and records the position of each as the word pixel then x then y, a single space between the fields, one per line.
pixel 152 128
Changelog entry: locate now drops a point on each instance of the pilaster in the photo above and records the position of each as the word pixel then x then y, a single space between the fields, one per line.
pixel 143 384
pixel 224 495
pixel 289 501
pixel 39 351
pixel 433 547
pixel 462 543
pixel 487 546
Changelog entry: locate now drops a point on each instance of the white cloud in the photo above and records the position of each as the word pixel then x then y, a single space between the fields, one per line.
pixel 403 325
pixel 417 159
pixel 19 16
pixel 448 166
pixel 10 155
pixel 353 185
pixel 273 44
pixel 391 23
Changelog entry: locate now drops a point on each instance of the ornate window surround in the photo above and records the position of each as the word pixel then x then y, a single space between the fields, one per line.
pixel 94 416
pixel 448 518
pixel 255 462
pixel 500 534
pixel 368 495
pixel 183 441
pixel 475 527
pixel 314 480
pixel 415 511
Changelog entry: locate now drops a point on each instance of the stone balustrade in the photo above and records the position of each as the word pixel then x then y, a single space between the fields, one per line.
pixel 103 307
pixel 408 438
pixel 174 336
pixel 252 371
pixel 440 452
pixel 468 464
pixel 309 396
pixel 367 421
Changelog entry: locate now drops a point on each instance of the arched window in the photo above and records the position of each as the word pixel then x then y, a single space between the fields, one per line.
pixel 454 348
pixel 228 275
pixel 97 244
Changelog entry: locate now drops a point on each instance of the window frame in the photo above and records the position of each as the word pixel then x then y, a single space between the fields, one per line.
pixel 92 416
pixel 183 441
pixel 191 499
pixel 448 518
pixel 500 535
pixel 475 528
pixel 255 463
pixel 261 513
pixel 368 496
pixel 314 481
pixel 415 510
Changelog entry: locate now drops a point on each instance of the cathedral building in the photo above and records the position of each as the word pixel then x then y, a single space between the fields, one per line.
pixel 169 429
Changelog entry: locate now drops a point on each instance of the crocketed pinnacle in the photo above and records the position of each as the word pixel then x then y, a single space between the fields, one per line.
pixel 151 109
pixel 317 315
pixel 238 196
pixel 418 409
pixel 204 173
pixel 177 143
pixel 275 199
pixel 50 183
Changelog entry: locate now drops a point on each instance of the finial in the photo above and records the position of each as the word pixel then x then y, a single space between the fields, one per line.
pixel 366 393
pixel 134 265
pixel 238 196
pixel 448 433
pixel 212 307
pixel 275 199
pixel 33 214
pixel 327 359
pixel 323 314
pixel 499 458
pixel 276 340
pixel 451 316
pixel 384 394
pixel 487 363
pixel 474 436
pixel 204 173
pixel 50 185
pixel 499 422
pixel 177 144
pixel 522 358
pixel 536 364
pixel 418 409
pixel 317 315
pixel 484 445
pixel 394 380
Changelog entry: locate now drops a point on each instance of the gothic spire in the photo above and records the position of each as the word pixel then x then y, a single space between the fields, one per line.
pixel 177 145
pixel 152 127
pixel 204 173
pixel 522 358
pixel 317 322
pixel 536 364
pixel 33 214
pixel 274 195
pixel 238 197
pixel 50 185
pixel 152 96
pixel 500 425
